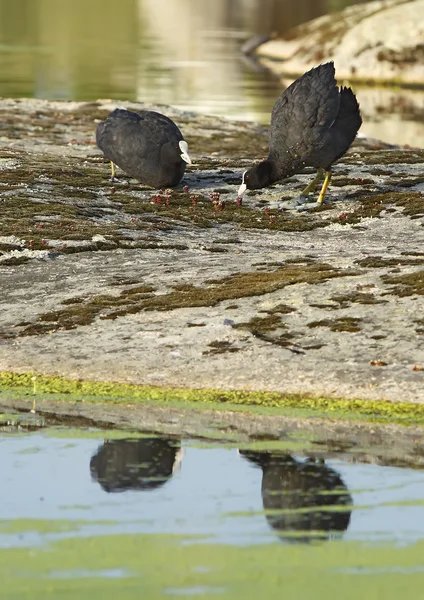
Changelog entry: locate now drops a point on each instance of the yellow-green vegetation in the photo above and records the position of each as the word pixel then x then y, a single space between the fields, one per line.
pixel 406 285
pixel 82 311
pixel 386 157
pixel 349 324
pixel 158 566
pixel 371 205
pixel 378 262
pixel 345 300
pixel 43 387
pixel 67 220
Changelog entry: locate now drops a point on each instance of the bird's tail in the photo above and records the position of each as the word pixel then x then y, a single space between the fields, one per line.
pixel 349 116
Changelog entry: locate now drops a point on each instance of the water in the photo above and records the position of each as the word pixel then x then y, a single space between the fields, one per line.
pixel 158 516
pixel 157 485
pixel 180 52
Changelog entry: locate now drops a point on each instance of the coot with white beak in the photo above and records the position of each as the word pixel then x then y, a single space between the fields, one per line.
pixel 146 145
pixel 313 124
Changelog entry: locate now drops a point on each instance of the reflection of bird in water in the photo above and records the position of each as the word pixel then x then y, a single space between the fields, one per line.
pixel 135 463
pixel 306 497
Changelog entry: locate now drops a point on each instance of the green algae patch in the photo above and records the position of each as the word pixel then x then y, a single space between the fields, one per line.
pixel 158 566
pixel 347 324
pixel 242 285
pixel 406 285
pixel 371 205
pixel 377 262
pixel 270 329
pixel 42 387
pixel 82 311
pixel 345 300
pixel 45 526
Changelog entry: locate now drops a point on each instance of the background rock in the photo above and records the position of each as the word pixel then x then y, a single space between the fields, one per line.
pixel 379 41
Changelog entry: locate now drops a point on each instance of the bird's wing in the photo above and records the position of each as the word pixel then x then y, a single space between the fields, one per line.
pixel 139 135
pixel 154 131
pixel 304 112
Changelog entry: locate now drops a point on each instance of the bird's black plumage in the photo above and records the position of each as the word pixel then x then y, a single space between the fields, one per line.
pixel 313 123
pixel 146 145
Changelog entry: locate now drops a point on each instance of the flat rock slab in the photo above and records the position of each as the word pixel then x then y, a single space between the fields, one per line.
pixel 188 288
pixel 379 41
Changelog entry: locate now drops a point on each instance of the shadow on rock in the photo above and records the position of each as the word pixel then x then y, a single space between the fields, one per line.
pixel 135 463
pixel 304 501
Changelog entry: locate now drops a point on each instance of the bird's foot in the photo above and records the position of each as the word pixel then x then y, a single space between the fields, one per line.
pixel 309 206
pixel 297 203
pixel 120 181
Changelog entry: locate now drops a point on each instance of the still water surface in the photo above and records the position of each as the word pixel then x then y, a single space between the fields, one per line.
pixel 154 517
pixel 157 485
pixel 180 52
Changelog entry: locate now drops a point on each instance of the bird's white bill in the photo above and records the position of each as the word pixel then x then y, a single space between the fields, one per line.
pixel 243 186
pixel 184 152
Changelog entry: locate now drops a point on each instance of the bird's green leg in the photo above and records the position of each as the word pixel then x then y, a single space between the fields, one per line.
pixel 311 187
pixel 324 186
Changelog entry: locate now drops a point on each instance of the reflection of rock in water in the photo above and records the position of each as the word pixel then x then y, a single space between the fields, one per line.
pixel 311 496
pixel 135 463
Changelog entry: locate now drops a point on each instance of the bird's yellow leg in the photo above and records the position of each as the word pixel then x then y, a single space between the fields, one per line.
pixel 112 168
pixel 311 187
pixel 324 186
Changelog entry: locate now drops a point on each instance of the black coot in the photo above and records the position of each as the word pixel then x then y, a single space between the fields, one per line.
pixel 146 145
pixel 313 123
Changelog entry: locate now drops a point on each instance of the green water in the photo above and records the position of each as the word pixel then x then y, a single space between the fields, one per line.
pixel 184 53
pixel 85 511
pixel 171 51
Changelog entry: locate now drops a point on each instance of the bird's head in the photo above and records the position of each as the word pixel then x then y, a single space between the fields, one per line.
pixel 259 176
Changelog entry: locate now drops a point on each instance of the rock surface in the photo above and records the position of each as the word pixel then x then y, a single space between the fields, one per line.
pixel 379 41
pixel 116 282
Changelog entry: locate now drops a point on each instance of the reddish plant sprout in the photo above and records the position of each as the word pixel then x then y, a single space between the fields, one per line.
pixel 343 216
pixel 267 211
pixel 216 201
pixel 193 198
pixel 272 219
pixel 185 189
pixel 239 201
